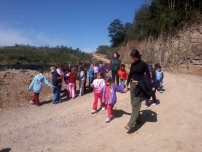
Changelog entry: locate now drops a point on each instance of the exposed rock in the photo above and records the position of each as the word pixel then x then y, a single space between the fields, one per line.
pixel 181 51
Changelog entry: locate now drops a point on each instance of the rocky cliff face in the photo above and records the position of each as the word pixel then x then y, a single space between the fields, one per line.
pixel 180 51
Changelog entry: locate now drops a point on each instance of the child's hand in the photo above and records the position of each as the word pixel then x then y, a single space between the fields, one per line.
pixel 92 85
pixel 153 89
pixel 125 89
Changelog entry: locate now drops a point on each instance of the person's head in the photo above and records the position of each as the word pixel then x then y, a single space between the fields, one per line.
pixel 109 81
pixel 135 55
pixel 60 66
pixel 101 64
pixel 99 75
pixel 40 71
pixel 123 66
pixel 159 68
pixel 52 69
pixel 74 71
pixel 80 68
pixel 116 55
pixel 92 65
pixel 157 65
pixel 152 73
pixel 149 63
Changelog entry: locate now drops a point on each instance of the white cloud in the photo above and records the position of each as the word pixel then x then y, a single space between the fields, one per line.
pixel 11 36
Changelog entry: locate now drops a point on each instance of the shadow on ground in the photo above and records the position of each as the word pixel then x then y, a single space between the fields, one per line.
pixel 146 116
pixel 5 150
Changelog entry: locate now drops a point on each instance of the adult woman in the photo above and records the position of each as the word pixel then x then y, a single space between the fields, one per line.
pixel 137 70
pixel 114 66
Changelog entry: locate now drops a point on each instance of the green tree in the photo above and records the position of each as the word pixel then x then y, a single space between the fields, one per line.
pixel 102 49
pixel 116 32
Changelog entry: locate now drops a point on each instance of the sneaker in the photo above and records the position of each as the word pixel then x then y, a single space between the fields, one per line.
pixel 93 111
pixel 31 102
pixel 154 104
pixel 111 117
pixel 54 102
pixel 128 128
pixel 103 108
pixel 161 91
pixel 107 120
pixel 146 106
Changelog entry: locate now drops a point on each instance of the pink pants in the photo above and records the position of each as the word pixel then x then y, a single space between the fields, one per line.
pixel 96 97
pixel 110 110
pixel 71 88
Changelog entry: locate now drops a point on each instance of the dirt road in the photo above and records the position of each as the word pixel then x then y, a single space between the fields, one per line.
pixel 174 125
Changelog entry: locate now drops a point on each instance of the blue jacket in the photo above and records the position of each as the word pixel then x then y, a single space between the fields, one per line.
pixel 38 82
pixel 101 70
pixel 159 75
pixel 91 72
pixel 112 98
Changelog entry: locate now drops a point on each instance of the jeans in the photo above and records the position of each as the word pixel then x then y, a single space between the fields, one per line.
pixel 81 84
pixel 159 85
pixel 90 82
pixel 115 75
pixel 56 95
pixel 122 81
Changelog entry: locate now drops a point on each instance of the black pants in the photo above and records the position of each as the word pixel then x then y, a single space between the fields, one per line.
pixel 154 96
pixel 84 86
pixel 115 75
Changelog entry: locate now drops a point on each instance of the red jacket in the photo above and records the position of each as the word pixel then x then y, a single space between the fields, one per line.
pixel 72 78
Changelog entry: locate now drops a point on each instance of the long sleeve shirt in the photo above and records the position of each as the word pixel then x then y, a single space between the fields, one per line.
pixel 137 71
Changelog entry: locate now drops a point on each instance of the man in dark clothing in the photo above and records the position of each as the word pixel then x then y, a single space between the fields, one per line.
pixel 57 83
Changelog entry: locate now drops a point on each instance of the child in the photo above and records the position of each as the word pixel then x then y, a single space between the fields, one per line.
pixel 85 69
pixel 98 84
pixel 72 81
pixel 109 96
pixel 105 70
pixel 123 75
pixel 37 85
pixel 149 66
pixel 66 76
pixel 154 86
pixel 60 72
pixel 57 83
pixel 95 70
pixel 91 76
pixel 159 78
pixel 81 78
pixel 101 69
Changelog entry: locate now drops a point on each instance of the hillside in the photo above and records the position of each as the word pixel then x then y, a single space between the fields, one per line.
pixel 21 54
pixel 180 51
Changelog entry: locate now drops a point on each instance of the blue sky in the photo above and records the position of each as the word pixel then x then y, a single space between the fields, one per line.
pixel 73 23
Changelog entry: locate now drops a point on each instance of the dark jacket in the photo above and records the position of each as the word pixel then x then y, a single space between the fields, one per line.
pixel 143 89
pixel 56 79
pixel 111 64
pixel 153 82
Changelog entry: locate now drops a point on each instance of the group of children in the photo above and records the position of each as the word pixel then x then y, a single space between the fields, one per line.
pixel 102 86
pixel 156 78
